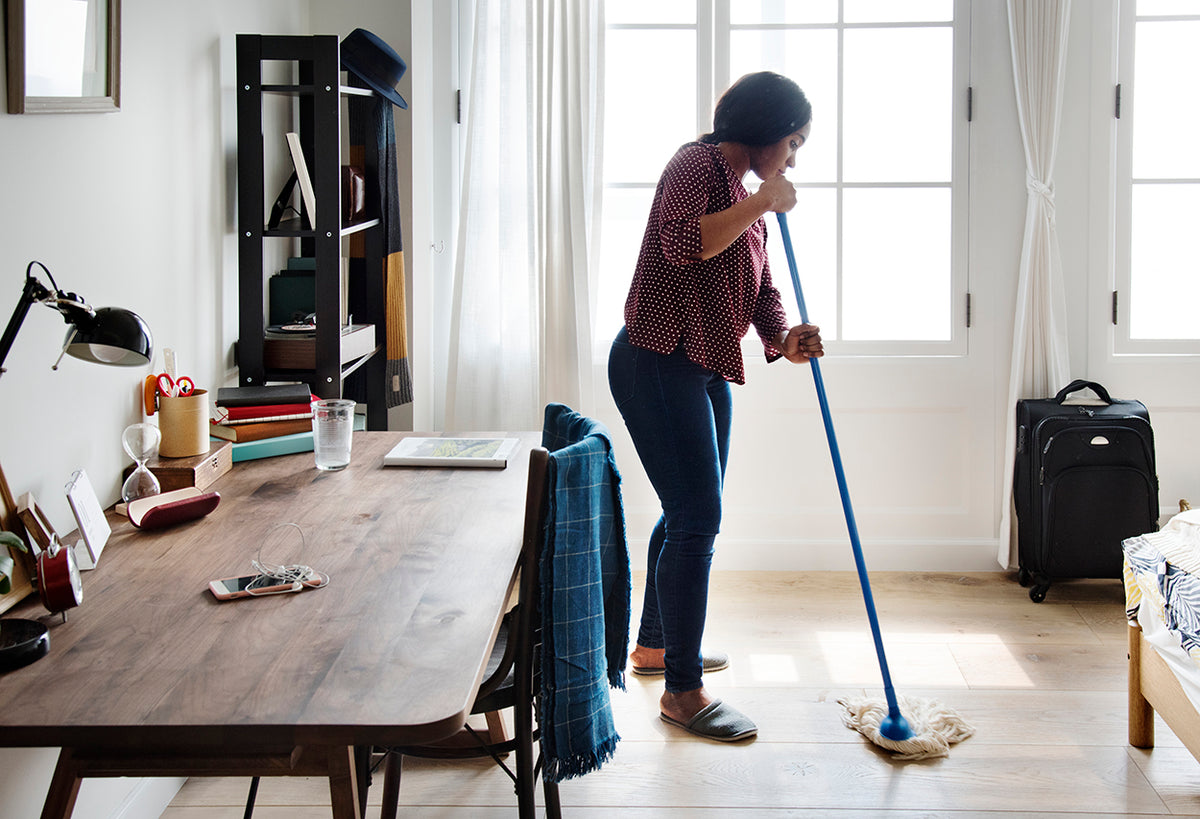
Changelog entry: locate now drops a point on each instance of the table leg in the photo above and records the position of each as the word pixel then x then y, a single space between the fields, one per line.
pixel 64 788
pixel 343 783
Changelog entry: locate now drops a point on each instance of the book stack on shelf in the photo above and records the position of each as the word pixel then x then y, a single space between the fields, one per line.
pixel 274 419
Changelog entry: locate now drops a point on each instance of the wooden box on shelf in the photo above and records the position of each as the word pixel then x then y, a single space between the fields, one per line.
pixel 301 353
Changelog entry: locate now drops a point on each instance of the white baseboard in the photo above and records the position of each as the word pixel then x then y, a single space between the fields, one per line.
pixel 837 555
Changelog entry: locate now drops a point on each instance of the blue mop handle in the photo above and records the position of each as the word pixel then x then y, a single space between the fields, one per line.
pixel 889 692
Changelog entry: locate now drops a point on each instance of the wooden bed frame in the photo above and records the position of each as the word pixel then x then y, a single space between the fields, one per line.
pixel 1153 687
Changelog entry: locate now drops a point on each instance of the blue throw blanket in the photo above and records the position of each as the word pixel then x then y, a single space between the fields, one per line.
pixel 585 596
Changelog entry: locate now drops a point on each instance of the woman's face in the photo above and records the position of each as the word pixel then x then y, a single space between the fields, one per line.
pixel 775 159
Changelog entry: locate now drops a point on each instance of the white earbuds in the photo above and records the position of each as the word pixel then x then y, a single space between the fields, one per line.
pixel 293 577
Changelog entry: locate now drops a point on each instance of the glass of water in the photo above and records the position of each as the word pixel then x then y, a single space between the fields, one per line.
pixel 333 427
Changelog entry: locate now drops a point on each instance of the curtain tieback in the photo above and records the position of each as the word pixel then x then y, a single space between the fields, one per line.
pixel 1044 190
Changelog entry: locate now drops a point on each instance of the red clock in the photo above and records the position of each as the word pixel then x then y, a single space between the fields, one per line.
pixel 58 580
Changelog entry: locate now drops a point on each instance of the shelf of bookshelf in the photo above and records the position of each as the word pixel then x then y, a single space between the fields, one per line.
pixel 294 228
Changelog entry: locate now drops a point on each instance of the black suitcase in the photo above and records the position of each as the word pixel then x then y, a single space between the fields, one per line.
pixel 1084 481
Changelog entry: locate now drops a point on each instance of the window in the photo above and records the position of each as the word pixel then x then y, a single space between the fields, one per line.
pixel 880 224
pixel 1158 178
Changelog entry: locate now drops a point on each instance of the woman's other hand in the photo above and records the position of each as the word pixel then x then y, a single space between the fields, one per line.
pixel 779 193
pixel 801 343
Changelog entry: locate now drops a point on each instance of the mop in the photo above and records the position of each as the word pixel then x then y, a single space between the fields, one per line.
pixel 931 727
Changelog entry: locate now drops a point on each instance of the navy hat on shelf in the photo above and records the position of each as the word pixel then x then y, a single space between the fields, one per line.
pixel 375 62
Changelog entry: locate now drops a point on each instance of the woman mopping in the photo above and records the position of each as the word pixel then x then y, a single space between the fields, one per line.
pixel 701 280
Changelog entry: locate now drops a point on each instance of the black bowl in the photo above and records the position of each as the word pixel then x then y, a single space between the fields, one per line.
pixel 22 642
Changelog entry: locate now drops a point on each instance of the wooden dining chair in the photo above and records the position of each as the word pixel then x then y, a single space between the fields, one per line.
pixel 511 680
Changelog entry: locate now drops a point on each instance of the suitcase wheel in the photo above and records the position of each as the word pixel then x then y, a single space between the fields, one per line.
pixel 1024 577
pixel 1038 593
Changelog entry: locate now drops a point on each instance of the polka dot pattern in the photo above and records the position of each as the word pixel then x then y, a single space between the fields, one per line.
pixel 706 306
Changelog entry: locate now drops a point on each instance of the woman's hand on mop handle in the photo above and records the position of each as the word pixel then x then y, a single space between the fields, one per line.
pixel 801 343
pixel 778 193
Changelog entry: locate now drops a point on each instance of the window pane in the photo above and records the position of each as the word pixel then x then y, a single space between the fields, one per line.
pixel 1161 7
pixel 813 226
pixel 898 105
pixel 896 264
pixel 899 11
pixel 1165 120
pixel 617 12
pixel 645 123
pixel 782 11
pixel 1165 262
pixel 809 58
pixel 623 223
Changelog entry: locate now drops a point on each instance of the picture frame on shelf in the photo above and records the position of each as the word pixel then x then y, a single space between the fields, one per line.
pixel 302 178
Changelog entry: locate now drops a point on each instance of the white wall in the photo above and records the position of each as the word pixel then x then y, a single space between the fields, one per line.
pixel 135 209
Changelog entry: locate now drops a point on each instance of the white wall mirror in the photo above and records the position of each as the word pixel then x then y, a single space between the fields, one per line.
pixel 64 56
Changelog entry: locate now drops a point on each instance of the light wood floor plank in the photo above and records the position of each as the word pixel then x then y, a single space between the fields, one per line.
pixel 1043 684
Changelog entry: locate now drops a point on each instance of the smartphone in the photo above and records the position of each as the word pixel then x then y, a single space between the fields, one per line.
pixel 231 588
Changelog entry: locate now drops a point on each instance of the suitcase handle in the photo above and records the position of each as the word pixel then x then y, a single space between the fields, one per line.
pixel 1079 384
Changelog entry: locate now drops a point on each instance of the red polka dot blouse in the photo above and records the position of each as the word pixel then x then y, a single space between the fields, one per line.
pixel 707 306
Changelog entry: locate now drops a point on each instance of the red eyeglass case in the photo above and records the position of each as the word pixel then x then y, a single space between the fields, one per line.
pixel 171 508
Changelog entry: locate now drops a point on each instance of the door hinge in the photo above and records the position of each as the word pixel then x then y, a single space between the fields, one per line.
pixel 968 310
pixel 458 106
pixel 970 103
pixel 1117 107
pixel 1114 308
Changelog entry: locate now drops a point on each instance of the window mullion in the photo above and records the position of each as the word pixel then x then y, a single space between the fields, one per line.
pixel 839 294
pixel 721 45
pixel 709 51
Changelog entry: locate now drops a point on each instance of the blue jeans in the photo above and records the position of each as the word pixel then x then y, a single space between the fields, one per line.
pixel 678 415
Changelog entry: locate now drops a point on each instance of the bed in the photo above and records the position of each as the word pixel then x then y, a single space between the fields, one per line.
pixel 1162 593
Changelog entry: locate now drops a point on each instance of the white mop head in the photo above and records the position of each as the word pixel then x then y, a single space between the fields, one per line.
pixel 934 726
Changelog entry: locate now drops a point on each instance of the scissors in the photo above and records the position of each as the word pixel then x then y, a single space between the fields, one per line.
pixel 174 387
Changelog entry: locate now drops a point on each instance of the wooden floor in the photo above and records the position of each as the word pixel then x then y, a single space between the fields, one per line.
pixel 1044 685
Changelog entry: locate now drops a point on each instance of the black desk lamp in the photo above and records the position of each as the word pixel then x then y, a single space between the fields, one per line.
pixel 110 335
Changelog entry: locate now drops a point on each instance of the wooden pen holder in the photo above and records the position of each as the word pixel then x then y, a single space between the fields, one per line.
pixel 183 422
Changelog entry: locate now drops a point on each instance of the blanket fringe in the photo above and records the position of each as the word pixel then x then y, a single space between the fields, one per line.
pixel 559 768
pixel 935 727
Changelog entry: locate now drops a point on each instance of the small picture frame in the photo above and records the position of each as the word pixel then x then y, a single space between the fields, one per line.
pixel 41 531
pixel 93 526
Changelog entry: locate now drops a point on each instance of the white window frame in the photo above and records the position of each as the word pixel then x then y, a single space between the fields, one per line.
pixel 713 24
pixel 1123 184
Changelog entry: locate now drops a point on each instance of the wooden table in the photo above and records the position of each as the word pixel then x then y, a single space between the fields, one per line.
pixel 151 676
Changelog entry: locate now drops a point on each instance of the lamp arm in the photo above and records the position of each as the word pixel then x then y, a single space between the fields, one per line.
pixel 34 291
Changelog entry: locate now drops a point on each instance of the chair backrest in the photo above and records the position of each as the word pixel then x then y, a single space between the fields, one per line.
pixel 524 635
pixel 529 623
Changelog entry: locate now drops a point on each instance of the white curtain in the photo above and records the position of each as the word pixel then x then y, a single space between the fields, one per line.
pixel 528 228
pixel 1040 361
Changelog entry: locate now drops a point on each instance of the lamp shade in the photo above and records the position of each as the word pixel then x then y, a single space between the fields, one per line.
pixel 112 336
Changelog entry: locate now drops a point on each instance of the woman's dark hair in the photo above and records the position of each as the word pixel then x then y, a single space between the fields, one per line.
pixel 759 109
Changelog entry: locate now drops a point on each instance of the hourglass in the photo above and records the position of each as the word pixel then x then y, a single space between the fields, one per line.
pixel 141 444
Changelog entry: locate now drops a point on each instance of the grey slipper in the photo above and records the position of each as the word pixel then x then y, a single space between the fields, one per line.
pixel 715 661
pixel 718 721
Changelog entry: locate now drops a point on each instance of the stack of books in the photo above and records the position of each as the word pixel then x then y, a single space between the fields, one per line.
pixel 277 417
